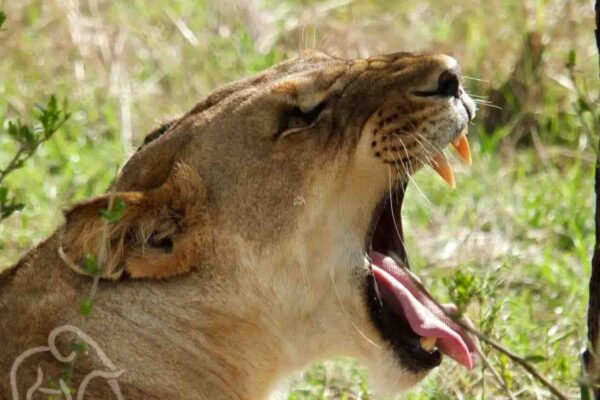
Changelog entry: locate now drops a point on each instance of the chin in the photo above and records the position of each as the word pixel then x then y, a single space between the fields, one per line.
pixel 389 379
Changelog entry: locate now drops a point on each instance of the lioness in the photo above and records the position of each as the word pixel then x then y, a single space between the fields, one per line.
pixel 273 208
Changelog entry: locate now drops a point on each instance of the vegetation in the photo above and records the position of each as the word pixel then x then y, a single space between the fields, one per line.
pixel 511 244
pixel 28 139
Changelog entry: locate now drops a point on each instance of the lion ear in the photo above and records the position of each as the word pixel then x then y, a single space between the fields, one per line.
pixel 156 234
pixel 152 164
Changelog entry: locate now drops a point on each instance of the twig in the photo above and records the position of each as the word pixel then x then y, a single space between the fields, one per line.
pixel 579 93
pixel 104 241
pixel 99 261
pixel 496 345
pixel 513 356
pixel 12 165
pixel 591 354
pixel 500 380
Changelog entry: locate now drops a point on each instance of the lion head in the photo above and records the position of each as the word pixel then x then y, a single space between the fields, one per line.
pixel 283 193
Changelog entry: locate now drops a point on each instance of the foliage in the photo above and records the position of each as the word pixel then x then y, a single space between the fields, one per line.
pixel 115 213
pixel 50 118
pixel 93 265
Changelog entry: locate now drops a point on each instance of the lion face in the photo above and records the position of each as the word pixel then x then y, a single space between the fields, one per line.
pixel 291 193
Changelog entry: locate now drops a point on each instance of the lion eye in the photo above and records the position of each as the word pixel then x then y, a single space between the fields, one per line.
pixel 297 119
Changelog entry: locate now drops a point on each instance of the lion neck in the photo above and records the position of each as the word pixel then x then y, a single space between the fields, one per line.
pixel 237 341
pixel 233 330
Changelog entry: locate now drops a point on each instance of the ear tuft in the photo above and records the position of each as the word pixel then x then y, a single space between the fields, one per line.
pixel 159 234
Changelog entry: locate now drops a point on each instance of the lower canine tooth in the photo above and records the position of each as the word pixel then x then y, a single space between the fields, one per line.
pixel 428 343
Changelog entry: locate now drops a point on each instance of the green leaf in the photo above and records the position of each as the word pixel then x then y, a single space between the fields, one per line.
pixel 52 384
pixel 13 129
pixel 80 347
pixel 571 59
pixel 586 391
pixel 67 373
pixel 536 358
pixel 32 139
pixel 115 213
pixel 583 105
pixel 51 117
pixel 22 133
pixel 9 206
pixel 2 18
pixel 86 306
pixel 3 194
pixel 90 265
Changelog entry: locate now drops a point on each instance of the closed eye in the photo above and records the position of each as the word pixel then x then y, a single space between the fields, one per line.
pixel 295 119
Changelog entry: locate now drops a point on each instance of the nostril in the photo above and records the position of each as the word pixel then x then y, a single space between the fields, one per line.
pixel 449 84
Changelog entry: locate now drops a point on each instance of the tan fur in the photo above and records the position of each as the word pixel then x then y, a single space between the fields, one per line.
pixel 260 227
pixel 173 210
pixel 290 88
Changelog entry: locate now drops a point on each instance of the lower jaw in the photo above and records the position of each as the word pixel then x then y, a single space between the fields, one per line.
pixel 394 328
pixel 396 331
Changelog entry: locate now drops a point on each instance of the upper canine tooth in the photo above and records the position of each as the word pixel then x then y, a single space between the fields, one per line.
pixel 428 343
pixel 461 144
pixel 442 167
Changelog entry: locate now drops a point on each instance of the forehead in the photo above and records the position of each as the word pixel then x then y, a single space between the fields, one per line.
pixel 315 75
pixel 310 61
pixel 315 68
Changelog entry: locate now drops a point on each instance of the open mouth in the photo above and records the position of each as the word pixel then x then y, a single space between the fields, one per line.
pixel 418 330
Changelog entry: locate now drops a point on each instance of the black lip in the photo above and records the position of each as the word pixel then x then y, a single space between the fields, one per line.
pixel 388 220
pixel 470 113
pixel 394 328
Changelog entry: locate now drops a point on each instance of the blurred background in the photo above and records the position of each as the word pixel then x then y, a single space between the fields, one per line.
pixel 511 244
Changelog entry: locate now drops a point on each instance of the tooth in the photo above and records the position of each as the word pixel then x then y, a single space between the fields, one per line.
pixel 428 343
pixel 461 144
pixel 442 167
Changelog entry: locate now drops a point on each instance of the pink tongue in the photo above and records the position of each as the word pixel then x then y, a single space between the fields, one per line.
pixel 424 316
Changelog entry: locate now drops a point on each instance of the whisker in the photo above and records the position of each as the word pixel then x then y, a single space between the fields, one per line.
pixel 409 174
pixel 392 211
pixel 476 79
pixel 430 152
pixel 474 94
pixel 490 105
pixel 482 101
pixel 418 188
pixel 410 169
pixel 427 153
pixel 433 150
pixel 337 294
pixel 415 134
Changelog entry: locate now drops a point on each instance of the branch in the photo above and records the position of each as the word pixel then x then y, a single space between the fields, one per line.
pixel 500 379
pixel 50 118
pixel 590 355
pixel 13 164
pixel 496 345
pixel 510 354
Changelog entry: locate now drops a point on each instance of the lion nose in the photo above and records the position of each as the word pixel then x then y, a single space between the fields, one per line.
pixel 449 83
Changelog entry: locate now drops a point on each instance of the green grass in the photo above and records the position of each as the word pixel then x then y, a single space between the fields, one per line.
pixel 516 234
